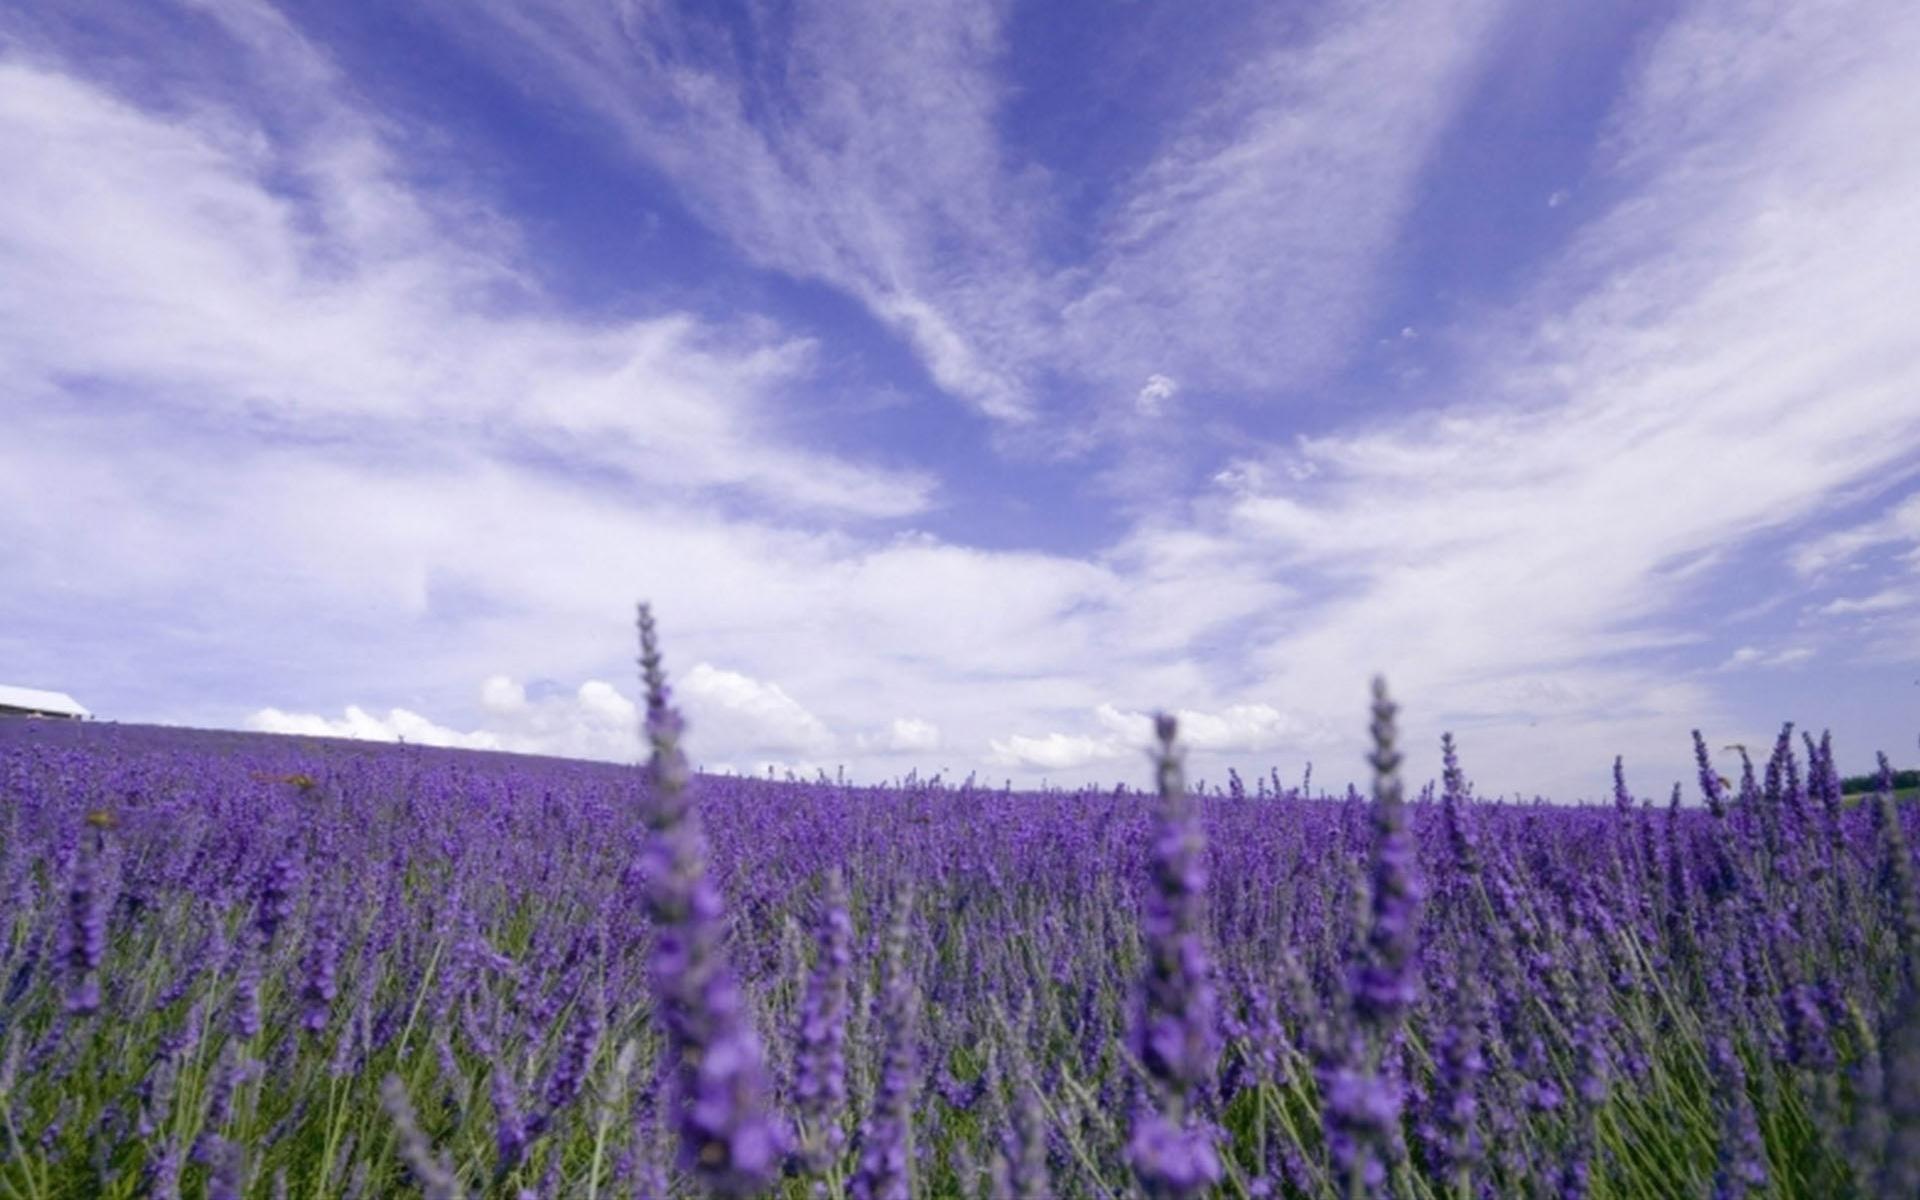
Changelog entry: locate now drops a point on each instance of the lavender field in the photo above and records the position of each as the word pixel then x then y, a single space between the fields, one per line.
pixel 241 965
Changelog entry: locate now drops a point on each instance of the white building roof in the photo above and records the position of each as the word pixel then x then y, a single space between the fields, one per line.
pixel 39 701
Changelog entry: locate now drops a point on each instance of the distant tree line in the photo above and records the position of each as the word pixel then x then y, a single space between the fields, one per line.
pixel 1867 783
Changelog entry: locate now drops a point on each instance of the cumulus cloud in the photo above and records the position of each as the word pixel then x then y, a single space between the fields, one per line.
pixel 1239 729
pixel 903 735
pixel 734 721
pixel 399 725
pixel 594 721
pixel 743 714
pixel 1053 751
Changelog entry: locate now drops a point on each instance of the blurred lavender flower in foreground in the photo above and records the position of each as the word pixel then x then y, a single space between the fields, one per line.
pixel 729 1137
pixel 430 1170
pixel 1175 1035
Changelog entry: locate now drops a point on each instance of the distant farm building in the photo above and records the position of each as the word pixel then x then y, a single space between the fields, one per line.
pixel 32 702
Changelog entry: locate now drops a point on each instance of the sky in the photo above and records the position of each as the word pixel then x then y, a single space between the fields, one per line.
pixel 963 382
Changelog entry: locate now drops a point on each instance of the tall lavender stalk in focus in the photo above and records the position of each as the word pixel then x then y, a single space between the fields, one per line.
pixel 1362 1103
pixel 729 1137
pixel 1175 1035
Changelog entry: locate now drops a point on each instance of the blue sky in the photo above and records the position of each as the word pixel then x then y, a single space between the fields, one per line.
pixel 962 382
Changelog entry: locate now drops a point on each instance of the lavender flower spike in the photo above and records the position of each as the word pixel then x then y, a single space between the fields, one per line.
pixel 886 1150
pixel 820 1066
pixel 86 931
pixel 1363 1102
pixel 1384 987
pixel 1710 783
pixel 430 1170
pixel 1176 1035
pixel 729 1137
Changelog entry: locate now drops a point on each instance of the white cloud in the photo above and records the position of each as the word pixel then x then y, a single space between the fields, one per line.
pixel 595 721
pixel 1053 751
pixel 740 713
pixel 324 387
pixel 1840 548
pixel 500 694
pixel 1238 729
pixel 1273 205
pixel 1752 656
pixel 862 148
pixel 399 725
pixel 904 735
pixel 734 722
pixel 1883 601
pixel 1152 400
pixel 368 312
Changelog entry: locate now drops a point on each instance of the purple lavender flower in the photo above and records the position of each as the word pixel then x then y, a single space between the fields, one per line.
pixel 1176 1034
pixel 320 986
pixel 86 928
pixel 162 1172
pixel 820 1057
pixel 226 1168
pixel 576 1055
pixel 1386 984
pixel 430 1169
pixel 1025 1147
pixel 1362 1100
pixel 1710 784
pixel 886 1144
pixel 1361 1111
pixel 1461 838
pixel 1451 1130
pixel 1742 1168
pixel 1172 1159
pixel 277 895
pixel 243 1018
pixel 1178 1039
pixel 729 1136
pixel 510 1133
pixel 1896 877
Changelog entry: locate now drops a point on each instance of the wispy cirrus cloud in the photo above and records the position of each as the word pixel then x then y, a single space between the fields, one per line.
pixel 1718 358
pixel 1249 251
pixel 861 148
pixel 853 145
pixel 299 280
